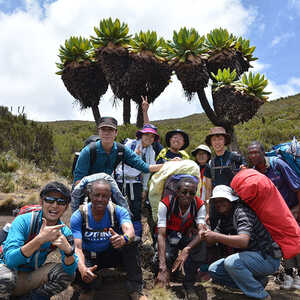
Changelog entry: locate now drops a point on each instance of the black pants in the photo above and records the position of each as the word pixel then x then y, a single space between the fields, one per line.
pixel 196 256
pixel 128 257
pixel 136 204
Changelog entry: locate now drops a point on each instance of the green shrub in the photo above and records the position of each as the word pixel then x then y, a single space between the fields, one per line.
pixel 6 182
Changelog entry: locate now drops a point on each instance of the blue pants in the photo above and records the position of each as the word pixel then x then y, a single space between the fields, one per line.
pixel 246 270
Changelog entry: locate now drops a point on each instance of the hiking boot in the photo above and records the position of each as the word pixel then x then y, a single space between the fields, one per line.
pixel 296 282
pixel 191 294
pixel 287 282
pixel 138 296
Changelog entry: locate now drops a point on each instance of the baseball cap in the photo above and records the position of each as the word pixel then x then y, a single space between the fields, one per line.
pixel 108 122
pixel 55 186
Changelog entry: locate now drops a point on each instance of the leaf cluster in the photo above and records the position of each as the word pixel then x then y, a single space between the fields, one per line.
pixel 76 49
pixel 243 46
pixel 111 32
pixel 219 39
pixel 185 43
pixel 148 41
pixel 251 84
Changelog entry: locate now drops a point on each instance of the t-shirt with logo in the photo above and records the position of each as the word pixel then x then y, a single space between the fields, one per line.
pixel 98 240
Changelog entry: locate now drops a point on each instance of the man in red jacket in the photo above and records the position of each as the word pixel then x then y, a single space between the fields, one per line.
pixel 180 221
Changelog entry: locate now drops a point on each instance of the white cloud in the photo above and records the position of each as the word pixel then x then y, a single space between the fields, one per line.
pixel 30 40
pixel 291 87
pixel 282 39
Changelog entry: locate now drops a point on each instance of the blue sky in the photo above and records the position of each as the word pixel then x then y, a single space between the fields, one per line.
pixel 32 30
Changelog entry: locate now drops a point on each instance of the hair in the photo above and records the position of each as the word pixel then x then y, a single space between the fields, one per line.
pixel 185 180
pixel 55 186
pixel 90 186
pixel 258 144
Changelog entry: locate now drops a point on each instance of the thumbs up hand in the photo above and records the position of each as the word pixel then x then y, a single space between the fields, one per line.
pixel 116 240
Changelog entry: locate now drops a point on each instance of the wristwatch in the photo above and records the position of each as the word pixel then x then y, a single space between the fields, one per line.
pixel 71 253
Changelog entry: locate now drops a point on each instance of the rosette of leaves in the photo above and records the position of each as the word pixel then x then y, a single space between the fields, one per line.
pixel 111 43
pixel 222 52
pixel 238 101
pixel 185 53
pixel 244 53
pixel 84 80
pixel 148 73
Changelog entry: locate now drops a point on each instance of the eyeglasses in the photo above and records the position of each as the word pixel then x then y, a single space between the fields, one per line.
pixel 59 201
pixel 192 193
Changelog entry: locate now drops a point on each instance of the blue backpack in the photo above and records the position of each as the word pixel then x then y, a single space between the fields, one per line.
pixel 289 152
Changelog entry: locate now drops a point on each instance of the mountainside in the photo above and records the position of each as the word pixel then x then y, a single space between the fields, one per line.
pixel 277 121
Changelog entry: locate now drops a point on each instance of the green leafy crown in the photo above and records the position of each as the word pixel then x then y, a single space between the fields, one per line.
pixel 111 31
pixel 75 49
pixel 186 42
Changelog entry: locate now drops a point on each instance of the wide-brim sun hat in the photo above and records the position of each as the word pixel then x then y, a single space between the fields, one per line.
pixel 224 191
pixel 186 139
pixel 148 128
pixel 203 148
pixel 218 131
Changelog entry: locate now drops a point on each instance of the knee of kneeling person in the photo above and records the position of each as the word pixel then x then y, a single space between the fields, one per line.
pixel 8 280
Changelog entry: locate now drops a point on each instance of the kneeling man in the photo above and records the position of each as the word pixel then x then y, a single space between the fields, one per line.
pixel 103 235
pixel 256 254
pixel 31 237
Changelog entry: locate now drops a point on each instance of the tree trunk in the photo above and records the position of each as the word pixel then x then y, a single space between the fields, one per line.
pixel 140 117
pixel 234 146
pixel 96 113
pixel 218 120
pixel 126 110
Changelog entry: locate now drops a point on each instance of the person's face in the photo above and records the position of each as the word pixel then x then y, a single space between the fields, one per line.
pixel 202 157
pixel 176 141
pixel 186 193
pixel 53 211
pixel 147 139
pixel 223 206
pixel 218 142
pixel 107 134
pixel 100 196
pixel 255 155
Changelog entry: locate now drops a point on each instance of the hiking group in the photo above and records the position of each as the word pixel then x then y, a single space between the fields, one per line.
pixel 212 216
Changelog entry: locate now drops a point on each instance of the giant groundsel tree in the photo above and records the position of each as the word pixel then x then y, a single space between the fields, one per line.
pixel 142 64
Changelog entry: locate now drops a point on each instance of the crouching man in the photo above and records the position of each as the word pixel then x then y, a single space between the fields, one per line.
pixel 32 236
pixel 180 221
pixel 103 235
pixel 256 254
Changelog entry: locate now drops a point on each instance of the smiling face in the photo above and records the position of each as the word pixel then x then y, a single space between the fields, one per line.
pixel 202 157
pixel 147 139
pixel 176 142
pixel 100 195
pixel 218 143
pixel 52 211
pixel 107 134
pixel 186 193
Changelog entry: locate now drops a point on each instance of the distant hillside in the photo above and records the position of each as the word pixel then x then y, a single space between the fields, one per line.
pixel 276 121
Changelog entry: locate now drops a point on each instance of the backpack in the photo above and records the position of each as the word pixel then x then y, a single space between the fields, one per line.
pixel 232 163
pixel 289 152
pixel 34 224
pixel 91 141
pixel 84 215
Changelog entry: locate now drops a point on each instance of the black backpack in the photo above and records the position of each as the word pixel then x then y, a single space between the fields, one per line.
pixel 91 141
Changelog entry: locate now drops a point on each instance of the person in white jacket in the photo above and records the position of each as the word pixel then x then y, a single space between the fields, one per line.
pixel 135 182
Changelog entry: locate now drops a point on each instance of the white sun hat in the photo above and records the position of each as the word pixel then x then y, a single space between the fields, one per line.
pixel 224 191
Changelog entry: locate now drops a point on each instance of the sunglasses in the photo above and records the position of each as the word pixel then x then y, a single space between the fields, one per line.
pixel 59 201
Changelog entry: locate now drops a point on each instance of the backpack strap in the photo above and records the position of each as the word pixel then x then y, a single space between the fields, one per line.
pixel 93 153
pixel 121 158
pixel 34 225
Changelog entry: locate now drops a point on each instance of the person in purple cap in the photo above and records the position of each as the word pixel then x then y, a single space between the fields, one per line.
pixel 135 181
